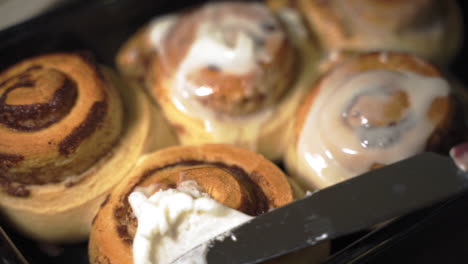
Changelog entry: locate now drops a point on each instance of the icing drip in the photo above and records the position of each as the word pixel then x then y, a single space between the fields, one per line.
pixel 238 46
pixel 373 118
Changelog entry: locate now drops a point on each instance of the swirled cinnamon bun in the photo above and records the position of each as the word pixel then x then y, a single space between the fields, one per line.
pixel 429 28
pixel 223 73
pixel 367 112
pixel 182 196
pixel 63 130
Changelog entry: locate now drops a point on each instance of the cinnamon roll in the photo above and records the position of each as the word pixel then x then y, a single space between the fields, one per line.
pixel 177 197
pixel 224 73
pixel 431 29
pixel 66 138
pixel 370 111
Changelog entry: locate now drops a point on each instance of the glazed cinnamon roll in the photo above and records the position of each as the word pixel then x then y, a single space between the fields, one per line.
pixel 370 111
pixel 64 142
pixel 182 196
pixel 224 73
pixel 431 29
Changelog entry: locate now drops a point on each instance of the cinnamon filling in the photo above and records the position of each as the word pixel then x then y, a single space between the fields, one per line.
pixel 14 189
pixel 47 173
pixel 55 103
pixel 11 188
pixel 36 98
pixel 9 160
pixel 228 184
pixel 211 84
pixel 85 129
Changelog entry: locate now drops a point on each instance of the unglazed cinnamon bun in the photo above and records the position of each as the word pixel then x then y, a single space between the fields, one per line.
pixel 181 196
pixel 370 111
pixel 431 29
pixel 66 138
pixel 224 73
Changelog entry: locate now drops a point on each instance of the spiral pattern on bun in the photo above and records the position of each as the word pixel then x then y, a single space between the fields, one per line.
pixel 230 58
pixel 58 115
pixel 235 177
pixel 69 131
pixel 222 73
pixel 370 111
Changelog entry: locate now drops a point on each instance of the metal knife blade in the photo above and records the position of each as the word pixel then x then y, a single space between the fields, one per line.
pixel 9 253
pixel 344 208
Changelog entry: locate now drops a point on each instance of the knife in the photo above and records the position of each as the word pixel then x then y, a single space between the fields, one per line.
pixel 9 253
pixel 344 208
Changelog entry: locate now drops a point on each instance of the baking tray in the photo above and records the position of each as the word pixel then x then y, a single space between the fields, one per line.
pixel 435 235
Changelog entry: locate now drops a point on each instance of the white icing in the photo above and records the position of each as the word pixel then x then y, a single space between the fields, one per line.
pixel 235 45
pixel 243 131
pixel 333 151
pixel 159 28
pixel 173 221
pixel 209 48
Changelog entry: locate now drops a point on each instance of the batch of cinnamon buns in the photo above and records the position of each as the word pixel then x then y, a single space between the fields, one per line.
pixel 185 134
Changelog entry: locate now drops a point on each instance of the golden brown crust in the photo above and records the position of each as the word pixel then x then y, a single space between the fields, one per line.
pixel 62 211
pixel 247 177
pixel 429 28
pixel 54 110
pixel 277 5
pixel 136 56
